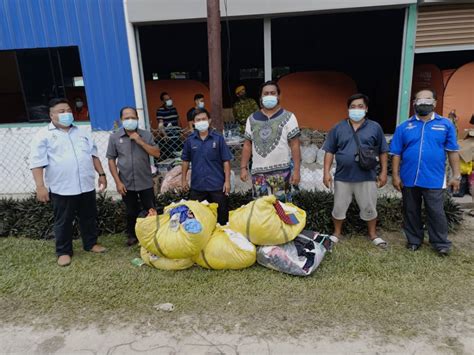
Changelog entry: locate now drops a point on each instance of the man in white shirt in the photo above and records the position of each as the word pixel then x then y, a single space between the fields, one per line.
pixel 63 159
pixel 272 140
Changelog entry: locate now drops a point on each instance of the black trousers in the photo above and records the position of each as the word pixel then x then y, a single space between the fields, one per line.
pixel 65 209
pixel 436 217
pixel 218 197
pixel 135 202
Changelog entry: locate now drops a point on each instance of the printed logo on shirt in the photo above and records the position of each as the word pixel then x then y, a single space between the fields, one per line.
pixel 438 127
pixel 121 140
pixel 410 126
pixel 214 145
pixel 194 147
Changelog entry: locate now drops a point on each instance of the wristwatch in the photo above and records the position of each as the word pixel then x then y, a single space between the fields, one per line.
pixel 102 174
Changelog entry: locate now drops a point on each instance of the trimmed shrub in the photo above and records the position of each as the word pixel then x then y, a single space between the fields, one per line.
pixel 29 218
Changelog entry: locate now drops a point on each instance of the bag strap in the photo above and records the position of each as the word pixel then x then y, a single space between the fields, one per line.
pixel 355 135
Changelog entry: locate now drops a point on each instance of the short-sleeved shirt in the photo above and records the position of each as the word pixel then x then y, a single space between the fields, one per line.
pixel 270 140
pixel 169 115
pixel 67 157
pixel 207 158
pixel 133 161
pixel 422 147
pixel 342 143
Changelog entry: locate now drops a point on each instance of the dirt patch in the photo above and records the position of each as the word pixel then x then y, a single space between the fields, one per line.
pixel 130 340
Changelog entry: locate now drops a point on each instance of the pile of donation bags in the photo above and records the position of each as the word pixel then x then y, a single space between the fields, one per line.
pixel 265 230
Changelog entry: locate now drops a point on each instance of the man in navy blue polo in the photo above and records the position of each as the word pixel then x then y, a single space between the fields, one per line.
pixel 210 157
pixel 350 178
pixel 421 145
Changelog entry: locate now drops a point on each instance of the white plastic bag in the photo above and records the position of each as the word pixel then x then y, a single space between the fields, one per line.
pixel 309 153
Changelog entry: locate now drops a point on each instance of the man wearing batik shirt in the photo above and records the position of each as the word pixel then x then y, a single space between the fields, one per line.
pixel 272 139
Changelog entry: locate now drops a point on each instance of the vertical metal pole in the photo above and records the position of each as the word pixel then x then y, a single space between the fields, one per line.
pixel 215 64
pixel 267 47
pixel 408 60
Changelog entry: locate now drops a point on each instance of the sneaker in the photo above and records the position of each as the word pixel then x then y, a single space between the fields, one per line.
pixel 413 247
pixel 443 252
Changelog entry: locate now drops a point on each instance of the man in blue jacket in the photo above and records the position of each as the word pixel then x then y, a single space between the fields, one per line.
pixel 419 148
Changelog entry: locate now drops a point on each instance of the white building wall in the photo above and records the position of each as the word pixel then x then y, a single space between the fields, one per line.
pixel 142 11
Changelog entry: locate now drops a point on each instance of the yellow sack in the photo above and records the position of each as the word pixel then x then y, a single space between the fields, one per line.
pixel 258 221
pixel 162 263
pixel 156 236
pixel 465 168
pixel 227 250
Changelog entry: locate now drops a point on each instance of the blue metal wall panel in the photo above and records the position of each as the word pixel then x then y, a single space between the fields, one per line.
pixel 97 27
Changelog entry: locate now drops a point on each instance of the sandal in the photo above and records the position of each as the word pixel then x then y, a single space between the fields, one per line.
pixel 379 242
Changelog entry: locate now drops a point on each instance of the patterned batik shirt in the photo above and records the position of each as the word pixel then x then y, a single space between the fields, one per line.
pixel 270 140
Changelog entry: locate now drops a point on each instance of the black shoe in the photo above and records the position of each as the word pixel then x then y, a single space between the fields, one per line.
pixel 132 241
pixel 443 252
pixel 413 247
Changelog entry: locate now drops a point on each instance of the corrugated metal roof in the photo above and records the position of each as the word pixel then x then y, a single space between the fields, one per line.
pixel 97 27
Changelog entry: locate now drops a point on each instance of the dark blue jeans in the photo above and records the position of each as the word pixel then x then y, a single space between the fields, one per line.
pixel 436 217
pixel 65 209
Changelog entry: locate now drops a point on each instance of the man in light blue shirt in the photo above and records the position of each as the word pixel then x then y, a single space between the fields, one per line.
pixel 421 144
pixel 66 156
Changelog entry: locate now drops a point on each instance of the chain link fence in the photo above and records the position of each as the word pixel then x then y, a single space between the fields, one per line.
pixel 17 180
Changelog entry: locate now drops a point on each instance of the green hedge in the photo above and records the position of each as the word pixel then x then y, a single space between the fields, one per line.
pixel 32 219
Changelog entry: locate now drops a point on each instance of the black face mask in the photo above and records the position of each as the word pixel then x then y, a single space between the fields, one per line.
pixel 424 110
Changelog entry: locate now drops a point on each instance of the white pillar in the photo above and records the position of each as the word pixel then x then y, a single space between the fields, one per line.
pixel 267 47
pixel 143 119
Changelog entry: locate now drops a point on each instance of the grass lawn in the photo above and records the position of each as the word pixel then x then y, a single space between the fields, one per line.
pixel 358 288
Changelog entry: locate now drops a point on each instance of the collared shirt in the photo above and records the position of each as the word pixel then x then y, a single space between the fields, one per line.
pixel 207 158
pixel 66 157
pixel 270 140
pixel 169 115
pixel 422 147
pixel 133 161
pixel 342 143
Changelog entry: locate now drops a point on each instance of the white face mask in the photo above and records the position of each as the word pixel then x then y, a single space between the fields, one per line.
pixel 169 102
pixel 201 104
pixel 202 126
pixel 79 104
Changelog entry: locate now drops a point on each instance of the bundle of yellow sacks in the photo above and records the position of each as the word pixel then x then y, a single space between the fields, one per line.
pixel 169 245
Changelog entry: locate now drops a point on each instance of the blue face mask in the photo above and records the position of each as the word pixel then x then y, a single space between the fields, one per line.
pixel 356 114
pixel 130 124
pixel 65 119
pixel 201 104
pixel 269 101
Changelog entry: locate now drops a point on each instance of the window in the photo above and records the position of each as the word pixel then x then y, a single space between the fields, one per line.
pixel 30 78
